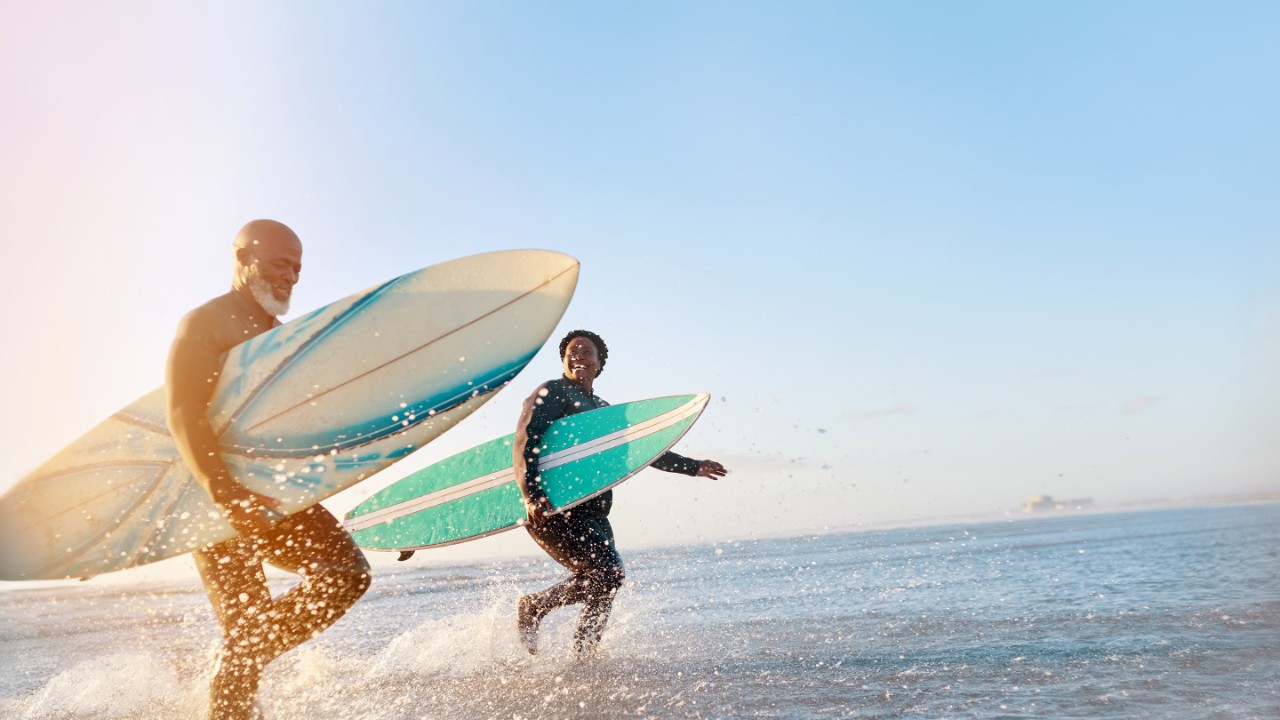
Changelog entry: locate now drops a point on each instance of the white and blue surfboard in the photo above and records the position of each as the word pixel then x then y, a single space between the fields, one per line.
pixel 302 411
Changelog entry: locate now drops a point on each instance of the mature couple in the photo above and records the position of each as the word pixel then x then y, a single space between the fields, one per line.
pixel 257 628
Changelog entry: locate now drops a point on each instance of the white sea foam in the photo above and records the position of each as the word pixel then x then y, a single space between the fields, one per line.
pixel 1172 613
pixel 123 685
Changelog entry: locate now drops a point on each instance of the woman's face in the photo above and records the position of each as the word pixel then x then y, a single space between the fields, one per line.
pixel 581 361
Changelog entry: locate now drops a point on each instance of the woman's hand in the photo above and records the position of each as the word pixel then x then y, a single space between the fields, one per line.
pixel 538 509
pixel 711 469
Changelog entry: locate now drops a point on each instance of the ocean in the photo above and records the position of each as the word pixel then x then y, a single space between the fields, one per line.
pixel 1154 614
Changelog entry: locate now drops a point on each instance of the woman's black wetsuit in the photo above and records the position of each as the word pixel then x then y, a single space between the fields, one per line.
pixel 580 539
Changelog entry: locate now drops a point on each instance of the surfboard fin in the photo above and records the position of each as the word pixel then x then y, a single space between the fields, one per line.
pixel 405 555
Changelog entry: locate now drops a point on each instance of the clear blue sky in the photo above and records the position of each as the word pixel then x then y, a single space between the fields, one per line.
pixel 930 258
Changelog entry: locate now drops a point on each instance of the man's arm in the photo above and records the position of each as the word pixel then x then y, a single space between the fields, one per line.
pixel 540 409
pixel 190 378
pixel 675 463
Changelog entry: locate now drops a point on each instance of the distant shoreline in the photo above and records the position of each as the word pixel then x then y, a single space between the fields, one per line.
pixel 1010 516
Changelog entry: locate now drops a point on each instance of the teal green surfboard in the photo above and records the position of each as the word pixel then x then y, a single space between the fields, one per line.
pixel 474 493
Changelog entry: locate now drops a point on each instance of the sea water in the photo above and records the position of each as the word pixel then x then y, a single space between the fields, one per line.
pixel 1155 614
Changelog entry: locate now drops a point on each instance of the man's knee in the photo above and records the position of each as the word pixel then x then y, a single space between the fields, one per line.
pixel 608 579
pixel 342 564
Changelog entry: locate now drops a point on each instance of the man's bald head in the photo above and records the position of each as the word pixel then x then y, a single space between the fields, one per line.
pixel 268 260
pixel 262 232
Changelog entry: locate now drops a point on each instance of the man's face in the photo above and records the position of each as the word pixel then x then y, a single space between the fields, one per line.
pixel 581 361
pixel 276 262
pixel 271 264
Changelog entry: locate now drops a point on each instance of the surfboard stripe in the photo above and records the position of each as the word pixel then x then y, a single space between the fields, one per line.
pixel 128 418
pixel 342 318
pixel 352 437
pixel 554 460
pixel 305 347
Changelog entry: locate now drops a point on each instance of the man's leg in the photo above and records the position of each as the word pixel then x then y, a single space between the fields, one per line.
pixel 583 543
pixel 335 574
pixel 237 588
pixel 257 629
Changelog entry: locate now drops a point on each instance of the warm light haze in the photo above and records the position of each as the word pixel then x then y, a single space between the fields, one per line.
pixel 929 259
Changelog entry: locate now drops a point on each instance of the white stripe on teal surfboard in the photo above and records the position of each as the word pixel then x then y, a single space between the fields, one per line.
pixel 497 479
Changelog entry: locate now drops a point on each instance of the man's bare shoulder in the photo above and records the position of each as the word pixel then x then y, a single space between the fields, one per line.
pixel 209 307
pixel 222 323
pixel 231 311
pixel 215 308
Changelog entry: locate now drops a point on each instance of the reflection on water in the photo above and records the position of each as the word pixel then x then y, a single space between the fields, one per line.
pixel 1172 613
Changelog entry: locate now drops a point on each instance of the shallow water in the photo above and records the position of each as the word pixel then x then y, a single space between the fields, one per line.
pixel 1160 614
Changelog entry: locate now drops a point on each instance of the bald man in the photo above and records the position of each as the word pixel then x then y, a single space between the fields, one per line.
pixel 256 628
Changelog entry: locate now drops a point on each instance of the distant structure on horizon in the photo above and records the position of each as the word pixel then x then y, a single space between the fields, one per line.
pixel 1046 503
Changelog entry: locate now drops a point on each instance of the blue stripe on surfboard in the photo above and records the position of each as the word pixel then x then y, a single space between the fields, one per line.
pixel 423 409
pixel 374 429
pixel 364 302
pixel 303 349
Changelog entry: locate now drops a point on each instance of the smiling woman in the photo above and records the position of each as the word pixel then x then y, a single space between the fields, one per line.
pixel 580 539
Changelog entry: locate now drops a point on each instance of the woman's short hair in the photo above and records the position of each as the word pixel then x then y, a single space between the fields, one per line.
pixel 601 349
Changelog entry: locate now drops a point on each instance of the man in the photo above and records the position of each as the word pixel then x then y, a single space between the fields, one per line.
pixel 581 539
pixel 256 628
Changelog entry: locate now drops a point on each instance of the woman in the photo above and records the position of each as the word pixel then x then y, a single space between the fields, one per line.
pixel 580 539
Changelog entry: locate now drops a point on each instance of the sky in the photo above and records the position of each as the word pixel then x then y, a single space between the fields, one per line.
pixel 930 259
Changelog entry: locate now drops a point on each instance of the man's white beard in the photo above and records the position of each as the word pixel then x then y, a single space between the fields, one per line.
pixel 261 291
